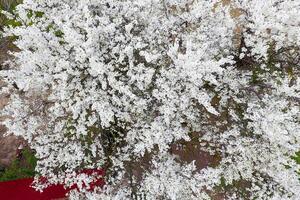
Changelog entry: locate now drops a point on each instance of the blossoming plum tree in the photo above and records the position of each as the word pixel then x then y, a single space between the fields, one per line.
pixel 134 86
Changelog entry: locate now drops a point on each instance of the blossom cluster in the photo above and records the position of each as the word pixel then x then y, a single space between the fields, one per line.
pixel 175 99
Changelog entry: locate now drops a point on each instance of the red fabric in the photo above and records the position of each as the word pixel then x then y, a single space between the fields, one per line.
pixel 22 190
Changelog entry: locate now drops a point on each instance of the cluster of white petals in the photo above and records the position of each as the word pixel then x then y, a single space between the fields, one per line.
pixel 131 86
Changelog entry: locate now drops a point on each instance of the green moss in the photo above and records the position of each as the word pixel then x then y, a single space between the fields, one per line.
pixel 296 157
pixel 271 60
pixel 237 186
pixel 59 33
pixel 10 5
pixel 12 22
pixel 23 167
pixel 36 14
pixel 29 158
pixel 5 22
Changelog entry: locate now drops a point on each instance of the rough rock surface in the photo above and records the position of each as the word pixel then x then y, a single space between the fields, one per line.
pixel 8 144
